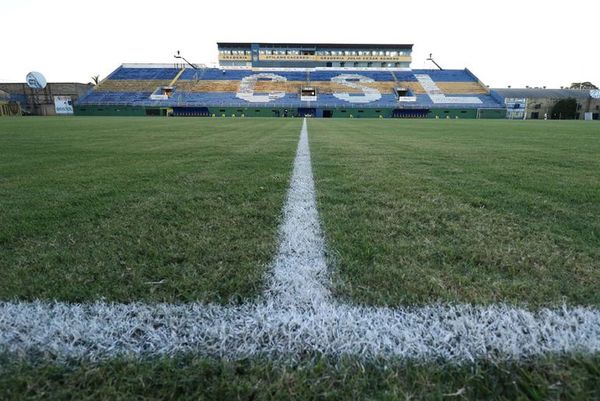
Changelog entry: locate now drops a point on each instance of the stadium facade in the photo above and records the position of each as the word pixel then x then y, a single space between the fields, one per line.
pixel 295 80
pixel 312 55
pixel 46 101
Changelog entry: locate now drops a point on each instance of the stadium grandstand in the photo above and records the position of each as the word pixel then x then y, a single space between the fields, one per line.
pixel 295 80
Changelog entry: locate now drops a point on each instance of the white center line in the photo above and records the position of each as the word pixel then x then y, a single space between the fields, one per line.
pixel 299 271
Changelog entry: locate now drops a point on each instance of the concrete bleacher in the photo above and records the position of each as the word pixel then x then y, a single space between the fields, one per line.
pixel 321 75
pixel 335 88
pixel 125 73
pixel 130 85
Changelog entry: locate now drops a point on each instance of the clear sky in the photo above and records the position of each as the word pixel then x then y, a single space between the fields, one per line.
pixel 511 42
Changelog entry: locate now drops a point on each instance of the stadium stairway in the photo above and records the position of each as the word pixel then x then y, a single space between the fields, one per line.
pixel 174 81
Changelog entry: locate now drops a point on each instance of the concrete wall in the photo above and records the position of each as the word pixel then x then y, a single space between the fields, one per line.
pixel 341 112
pixel 41 101
pixel 126 111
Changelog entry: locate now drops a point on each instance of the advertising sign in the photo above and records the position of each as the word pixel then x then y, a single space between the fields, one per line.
pixel 63 104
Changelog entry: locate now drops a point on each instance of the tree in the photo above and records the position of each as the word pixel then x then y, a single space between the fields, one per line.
pixel 564 109
pixel 96 79
pixel 583 85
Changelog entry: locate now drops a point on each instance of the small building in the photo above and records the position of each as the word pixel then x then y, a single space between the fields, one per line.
pixel 534 104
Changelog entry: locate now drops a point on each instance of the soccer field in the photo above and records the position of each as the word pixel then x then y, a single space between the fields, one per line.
pixel 139 209
pixel 233 276
pixel 461 211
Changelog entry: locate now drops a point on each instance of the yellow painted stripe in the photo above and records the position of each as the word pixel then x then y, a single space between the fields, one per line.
pixel 177 77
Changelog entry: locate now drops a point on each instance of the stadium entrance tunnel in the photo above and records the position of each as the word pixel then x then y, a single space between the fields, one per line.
pixel 410 113
pixel 307 112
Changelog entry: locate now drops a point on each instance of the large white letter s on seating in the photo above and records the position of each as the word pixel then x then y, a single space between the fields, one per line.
pixel 246 90
pixel 354 81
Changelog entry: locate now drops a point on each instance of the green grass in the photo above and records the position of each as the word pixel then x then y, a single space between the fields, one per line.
pixel 178 210
pixel 190 378
pixel 460 211
pixel 135 209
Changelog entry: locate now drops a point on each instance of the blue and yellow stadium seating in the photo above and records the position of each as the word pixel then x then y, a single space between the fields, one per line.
pixel 211 88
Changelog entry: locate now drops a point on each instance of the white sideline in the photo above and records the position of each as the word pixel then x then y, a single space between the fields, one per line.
pixel 296 317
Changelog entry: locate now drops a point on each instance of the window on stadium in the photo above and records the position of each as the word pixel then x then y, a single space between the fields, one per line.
pixel 308 92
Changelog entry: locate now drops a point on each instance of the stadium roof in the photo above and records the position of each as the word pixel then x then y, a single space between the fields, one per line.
pixel 544 93
pixel 317 45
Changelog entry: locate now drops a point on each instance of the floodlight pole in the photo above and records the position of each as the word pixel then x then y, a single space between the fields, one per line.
pixel 178 55
pixel 433 61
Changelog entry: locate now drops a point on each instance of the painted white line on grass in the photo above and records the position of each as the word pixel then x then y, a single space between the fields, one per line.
pixel 296 317
pixel 299 272
pixel 454 333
